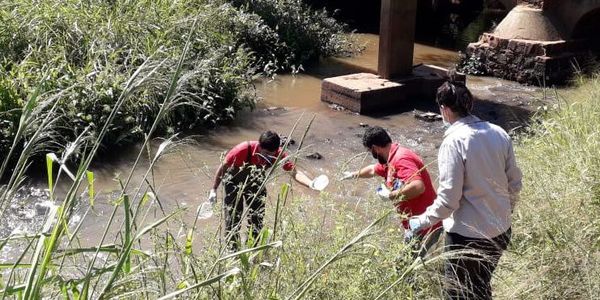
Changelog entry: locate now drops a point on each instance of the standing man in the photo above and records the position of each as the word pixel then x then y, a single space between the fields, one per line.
pixel 406 180
pixel 243 174
pixel 478 188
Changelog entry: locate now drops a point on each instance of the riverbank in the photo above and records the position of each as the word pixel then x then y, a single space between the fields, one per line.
pixel 323 245
pixel 129 229
pixel 78 59
pixel 556 244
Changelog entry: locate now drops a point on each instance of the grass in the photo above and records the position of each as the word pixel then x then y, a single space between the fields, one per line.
pixel 89 49
pixel 556 242
pixel 317 247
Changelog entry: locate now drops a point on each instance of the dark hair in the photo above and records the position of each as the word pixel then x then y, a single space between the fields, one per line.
pixel 269 140
pixel 376 136
pixel 455 95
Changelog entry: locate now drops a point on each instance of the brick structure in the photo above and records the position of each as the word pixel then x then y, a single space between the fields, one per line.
pixel 525 61
pixel 533 3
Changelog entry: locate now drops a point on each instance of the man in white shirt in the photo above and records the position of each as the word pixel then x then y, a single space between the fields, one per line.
pixel 479 183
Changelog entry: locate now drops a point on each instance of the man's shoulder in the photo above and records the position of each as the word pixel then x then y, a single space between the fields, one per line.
pixel 403 153
pixel 497 128
pixel 243 146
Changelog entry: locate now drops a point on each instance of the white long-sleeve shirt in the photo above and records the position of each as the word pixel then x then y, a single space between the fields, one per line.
pixel 479 180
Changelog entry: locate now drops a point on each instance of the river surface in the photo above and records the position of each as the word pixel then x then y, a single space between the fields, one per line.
pixel 183 176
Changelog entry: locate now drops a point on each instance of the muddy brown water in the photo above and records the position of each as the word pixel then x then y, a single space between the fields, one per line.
pixel 183 177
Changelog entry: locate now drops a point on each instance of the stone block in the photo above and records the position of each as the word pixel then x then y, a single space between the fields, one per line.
pixel 369 93
pixel 362 92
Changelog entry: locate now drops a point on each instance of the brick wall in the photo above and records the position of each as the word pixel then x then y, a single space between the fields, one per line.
pixel 536 3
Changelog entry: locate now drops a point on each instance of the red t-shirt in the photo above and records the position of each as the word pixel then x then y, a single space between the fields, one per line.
pixel 238 155
pixel 405 165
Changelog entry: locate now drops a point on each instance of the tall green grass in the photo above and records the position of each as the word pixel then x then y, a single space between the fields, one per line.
pixel 335 255
pixel 94 47
pixel 555 251
pixel 140 257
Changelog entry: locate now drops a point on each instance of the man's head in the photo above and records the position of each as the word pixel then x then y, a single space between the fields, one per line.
pixel 269 141
pixel 455 100
pixel 378 141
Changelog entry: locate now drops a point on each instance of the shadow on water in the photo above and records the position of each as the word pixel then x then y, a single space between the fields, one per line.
pixel 508 116
pixel 511 118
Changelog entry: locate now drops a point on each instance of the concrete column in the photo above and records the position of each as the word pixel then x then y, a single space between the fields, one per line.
pixel 396 37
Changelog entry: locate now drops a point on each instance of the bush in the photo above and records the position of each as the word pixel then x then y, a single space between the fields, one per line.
pixel 88 50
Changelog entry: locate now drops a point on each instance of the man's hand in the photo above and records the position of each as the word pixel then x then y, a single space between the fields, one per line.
pixel 415 224
pixel 212 196
pixel 408 236
pixel 348 175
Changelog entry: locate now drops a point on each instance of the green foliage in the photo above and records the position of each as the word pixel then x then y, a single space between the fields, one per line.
pixel 303 33
pixel 93 47
pixel 556 232
pixel 471 64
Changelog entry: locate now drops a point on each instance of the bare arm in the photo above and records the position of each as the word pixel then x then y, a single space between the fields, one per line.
pixel 219 176
pixel 409 191
pixel 367 172
pixel 301 177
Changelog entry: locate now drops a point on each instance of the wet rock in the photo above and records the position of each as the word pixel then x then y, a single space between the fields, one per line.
pixel 315 155
pixel 284 140
pixel 274 108
pixel 361 124
pixel 42 208
pixel 336 107
pixel 427 116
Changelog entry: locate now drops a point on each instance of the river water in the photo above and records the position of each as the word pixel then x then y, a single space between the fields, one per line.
pixel 184 175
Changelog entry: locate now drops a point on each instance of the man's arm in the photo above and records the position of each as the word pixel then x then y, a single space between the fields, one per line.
pixel 219 176
pixel 514 176
pixel 409 191
pixel 301 177
pixel 451 179
pixel 366 172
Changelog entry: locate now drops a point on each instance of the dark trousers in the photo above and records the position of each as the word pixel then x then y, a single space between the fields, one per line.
pixel 469 276
pixel 425 243
pixel 236 198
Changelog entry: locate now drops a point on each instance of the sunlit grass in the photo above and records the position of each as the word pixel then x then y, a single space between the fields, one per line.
pixel 556 242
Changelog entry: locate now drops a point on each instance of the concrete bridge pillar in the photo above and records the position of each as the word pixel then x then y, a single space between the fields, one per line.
pixel 396 37
pixel 398 83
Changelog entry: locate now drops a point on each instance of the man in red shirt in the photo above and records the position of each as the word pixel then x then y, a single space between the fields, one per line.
pixel 406 180
pixel 243 174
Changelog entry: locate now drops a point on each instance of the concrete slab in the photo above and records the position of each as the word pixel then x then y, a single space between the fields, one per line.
pixel 366 93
